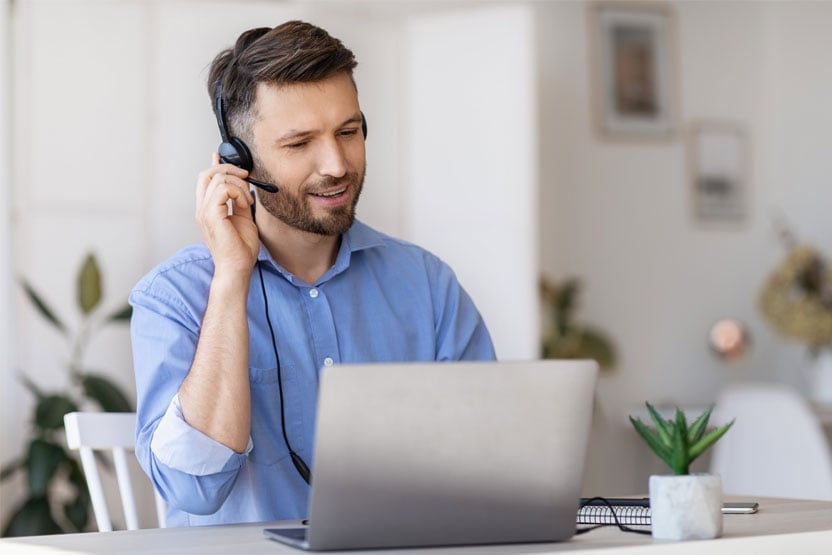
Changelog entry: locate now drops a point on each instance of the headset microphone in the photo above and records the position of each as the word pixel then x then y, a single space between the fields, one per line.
pixel 234 151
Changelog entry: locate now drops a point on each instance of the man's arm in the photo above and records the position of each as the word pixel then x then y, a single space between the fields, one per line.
pixel 215 395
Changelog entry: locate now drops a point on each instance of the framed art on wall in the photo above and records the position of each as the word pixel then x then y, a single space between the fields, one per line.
pixel 717 153
pixel 634 69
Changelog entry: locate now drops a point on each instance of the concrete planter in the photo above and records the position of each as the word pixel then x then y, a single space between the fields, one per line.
pixel 687 507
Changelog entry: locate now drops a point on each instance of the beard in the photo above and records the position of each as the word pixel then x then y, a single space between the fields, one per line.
pixel 295 210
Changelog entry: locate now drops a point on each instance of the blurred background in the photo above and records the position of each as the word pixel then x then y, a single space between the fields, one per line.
pixel 515 139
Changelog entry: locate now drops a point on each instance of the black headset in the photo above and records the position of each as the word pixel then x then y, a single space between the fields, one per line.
pixel 233 150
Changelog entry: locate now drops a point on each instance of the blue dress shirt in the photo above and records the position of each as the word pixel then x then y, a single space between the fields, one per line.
pixel 383 300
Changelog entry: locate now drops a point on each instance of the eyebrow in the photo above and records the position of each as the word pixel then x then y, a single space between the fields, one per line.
pixel 295 134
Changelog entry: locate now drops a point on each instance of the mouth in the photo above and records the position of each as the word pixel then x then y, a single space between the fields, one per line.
pixel 332 197
pixel 330 194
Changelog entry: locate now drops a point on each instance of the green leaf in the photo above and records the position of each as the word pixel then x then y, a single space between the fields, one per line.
pixel 709 439
pixel 652 440
pixel 50 411
pixel 31 386
pixel 10 468
pixel 77 512
pixel 43 461
pixel 679 462
pixel 697 429
pixel 43 308
pixel 76 476
pixel 34 518
pixel 595 345
pixel 105 393
pixel 89 285
pixel 663 427
pixel 121 315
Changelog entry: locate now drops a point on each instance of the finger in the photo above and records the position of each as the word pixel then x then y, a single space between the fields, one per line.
pixel 223 188
pixel 215 158
pixel 207 175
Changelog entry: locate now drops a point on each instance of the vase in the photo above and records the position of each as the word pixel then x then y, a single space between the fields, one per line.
pixel 686 507
pixel 820 377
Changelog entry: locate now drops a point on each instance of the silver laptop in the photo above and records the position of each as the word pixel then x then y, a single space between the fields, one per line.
pixel 427 454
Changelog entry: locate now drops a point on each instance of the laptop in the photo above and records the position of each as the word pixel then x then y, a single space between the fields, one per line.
pixel 461 453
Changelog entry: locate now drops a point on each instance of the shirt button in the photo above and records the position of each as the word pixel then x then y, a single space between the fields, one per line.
pixel 328 361
pixel 313 293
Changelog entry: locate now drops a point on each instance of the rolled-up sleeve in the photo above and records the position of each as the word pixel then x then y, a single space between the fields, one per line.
pixel 192 472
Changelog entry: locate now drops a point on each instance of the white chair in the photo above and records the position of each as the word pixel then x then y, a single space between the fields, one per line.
pixel 776 447
pixel 109 431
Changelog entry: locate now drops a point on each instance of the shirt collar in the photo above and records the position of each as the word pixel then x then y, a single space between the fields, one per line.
pixel 358 237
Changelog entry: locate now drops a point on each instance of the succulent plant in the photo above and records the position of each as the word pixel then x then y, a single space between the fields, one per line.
pixel 676 443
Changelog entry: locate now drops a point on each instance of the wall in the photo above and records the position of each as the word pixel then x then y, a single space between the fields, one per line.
pixel 8 404
pixel 618 213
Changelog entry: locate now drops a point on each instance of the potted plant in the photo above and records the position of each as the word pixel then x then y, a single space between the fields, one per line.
pixel 564 337
pixel 56 497
pixel 683 506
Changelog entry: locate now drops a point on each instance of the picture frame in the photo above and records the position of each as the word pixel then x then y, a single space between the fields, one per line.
pixel 634 69
pixel 718 168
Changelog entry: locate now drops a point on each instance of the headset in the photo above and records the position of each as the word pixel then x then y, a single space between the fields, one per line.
pixel 233 150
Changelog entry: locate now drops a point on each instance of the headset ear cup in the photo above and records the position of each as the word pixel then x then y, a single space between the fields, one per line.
pixel 234 151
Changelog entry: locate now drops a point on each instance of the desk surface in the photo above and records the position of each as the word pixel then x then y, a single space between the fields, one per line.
pixel 780 526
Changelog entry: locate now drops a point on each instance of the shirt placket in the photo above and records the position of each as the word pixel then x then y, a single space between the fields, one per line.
pixel 322 324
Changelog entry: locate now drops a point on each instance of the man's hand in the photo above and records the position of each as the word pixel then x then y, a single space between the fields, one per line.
pixel 231 237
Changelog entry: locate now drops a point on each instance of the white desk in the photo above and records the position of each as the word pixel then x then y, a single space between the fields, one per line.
pixel 781 526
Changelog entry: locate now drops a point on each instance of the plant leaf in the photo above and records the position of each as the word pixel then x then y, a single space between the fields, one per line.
pixel 31 386
pixel 663 427
pixel 50 411
pixel 708 439
pixel 595 345
pixel 89 285
pixel 10 468
pixel 34 518
pixel 76 476
pixel 679 441
pixel 121 315
pixel 680 463
pixel 697 429
pixel 105 393
pixel 652 440
pixel 43 308
pixel 42 462
pixel 77 512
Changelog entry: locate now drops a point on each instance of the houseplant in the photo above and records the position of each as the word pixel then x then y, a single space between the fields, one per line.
pixel 796 298
pixel 683 505
pixel 564 337
pixel 56 497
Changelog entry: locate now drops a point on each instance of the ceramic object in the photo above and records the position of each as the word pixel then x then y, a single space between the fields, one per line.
pixel 820 378
pixel 686 507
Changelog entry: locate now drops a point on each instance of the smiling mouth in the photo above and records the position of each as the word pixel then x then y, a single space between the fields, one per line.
pixel 331 194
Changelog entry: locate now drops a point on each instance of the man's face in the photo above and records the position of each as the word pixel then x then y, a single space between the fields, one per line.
pixel 307 140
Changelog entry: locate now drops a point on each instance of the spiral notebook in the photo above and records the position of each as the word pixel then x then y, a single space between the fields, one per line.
pixel 636 512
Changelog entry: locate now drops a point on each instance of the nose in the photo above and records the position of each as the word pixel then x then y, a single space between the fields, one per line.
pixel 332 161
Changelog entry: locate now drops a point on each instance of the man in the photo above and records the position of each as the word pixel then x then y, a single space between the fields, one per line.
pixel 229 336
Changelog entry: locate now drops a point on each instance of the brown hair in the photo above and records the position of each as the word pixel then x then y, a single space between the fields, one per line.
pixel 294 52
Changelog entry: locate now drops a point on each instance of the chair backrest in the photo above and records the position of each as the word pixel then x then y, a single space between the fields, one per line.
pixel 107 431
pixel 776 447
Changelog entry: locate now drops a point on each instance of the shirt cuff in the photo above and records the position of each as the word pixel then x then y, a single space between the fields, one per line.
pixel 179 446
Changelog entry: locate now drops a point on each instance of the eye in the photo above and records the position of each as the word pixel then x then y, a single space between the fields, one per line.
pixel 297 146
pixel 348 132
